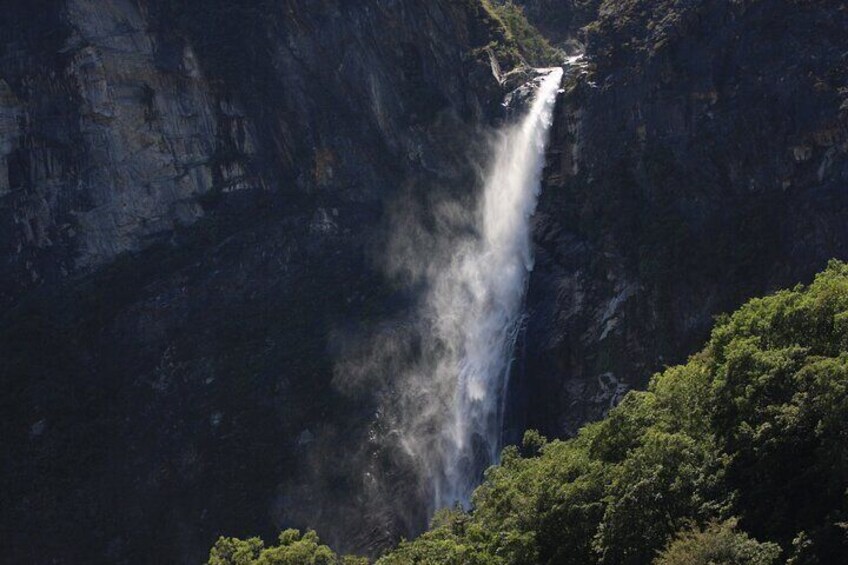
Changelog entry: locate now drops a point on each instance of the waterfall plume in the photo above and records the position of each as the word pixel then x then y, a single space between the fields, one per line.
pixel 476 303
pixel 442 372
pixel 451 401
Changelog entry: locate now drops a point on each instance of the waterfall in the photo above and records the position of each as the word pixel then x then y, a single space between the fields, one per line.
pixel 443 373
pixel 474 306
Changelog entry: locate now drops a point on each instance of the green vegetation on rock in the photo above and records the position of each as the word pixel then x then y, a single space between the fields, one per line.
pixel 738 456
pixel 530 43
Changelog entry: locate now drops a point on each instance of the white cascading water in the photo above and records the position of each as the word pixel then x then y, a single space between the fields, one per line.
pixel 475 302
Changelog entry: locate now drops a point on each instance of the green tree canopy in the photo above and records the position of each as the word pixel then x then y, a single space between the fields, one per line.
pixel 293 549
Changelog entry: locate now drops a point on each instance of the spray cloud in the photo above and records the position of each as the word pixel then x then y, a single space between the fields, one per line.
pixel 446 408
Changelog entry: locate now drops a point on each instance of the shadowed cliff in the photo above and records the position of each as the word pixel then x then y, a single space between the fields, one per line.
pixel 193 205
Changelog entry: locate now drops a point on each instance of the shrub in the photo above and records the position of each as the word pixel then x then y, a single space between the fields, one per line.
pixel 718 544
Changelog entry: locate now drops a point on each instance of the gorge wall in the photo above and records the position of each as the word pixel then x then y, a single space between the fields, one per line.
pixel 100 99
pixel 699 160
pixel 192 208
pixel 195 200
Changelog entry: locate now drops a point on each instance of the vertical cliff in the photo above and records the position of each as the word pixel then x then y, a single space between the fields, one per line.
pixel 193 197
pixel 194 204
pixel 699 159
pixel 118 117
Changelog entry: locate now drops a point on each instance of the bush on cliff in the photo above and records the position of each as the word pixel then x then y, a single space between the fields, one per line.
pixel 529 42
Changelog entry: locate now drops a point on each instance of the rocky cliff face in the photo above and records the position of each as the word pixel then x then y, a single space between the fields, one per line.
pixel 194 200
pixel 108 139
pixel 118 117
pixel 192 205
pixel 561 21
pixel 699 159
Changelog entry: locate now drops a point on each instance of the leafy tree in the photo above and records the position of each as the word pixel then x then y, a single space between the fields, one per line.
pixel 233 551
pixel 453 539
pixel 293 549
pixel 718 544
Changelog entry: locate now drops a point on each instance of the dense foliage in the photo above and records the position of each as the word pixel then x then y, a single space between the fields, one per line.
pixel 739 456
pixel 718 543
pixel 293 549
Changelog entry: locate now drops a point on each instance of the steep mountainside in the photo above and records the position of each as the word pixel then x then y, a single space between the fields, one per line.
pixel 560 20
pixel 192 195
pixel 699 159
pixel 195 202
pixel 118 117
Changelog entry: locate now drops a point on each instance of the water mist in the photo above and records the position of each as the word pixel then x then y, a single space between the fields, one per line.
pixel 450 403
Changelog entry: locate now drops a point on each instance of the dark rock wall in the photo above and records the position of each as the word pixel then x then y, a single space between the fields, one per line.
pixel 560 20
pixel 194 199
pixel 192 207
pixel 698 160
pixel 118 117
